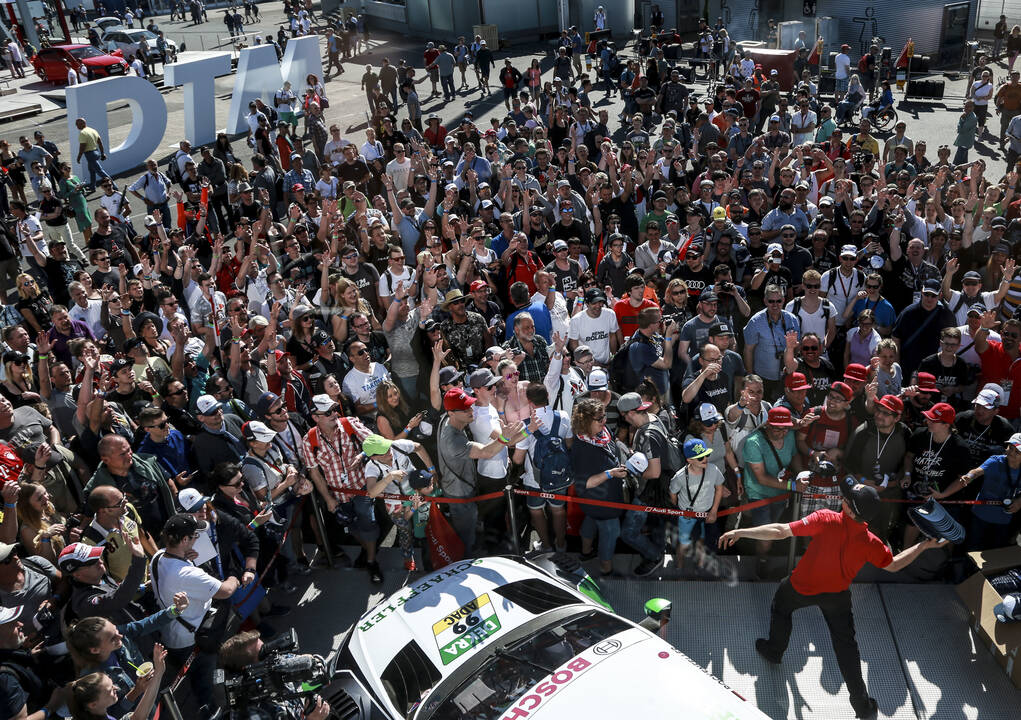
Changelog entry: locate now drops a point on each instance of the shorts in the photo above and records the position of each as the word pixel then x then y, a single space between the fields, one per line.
pixel 840 84
pixel 287 116
pixel 364 526
pixel 763 515
pixel 434 74
pixel 538 503
pixel 691 529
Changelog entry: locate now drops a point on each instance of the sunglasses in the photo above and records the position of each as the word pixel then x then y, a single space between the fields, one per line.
pixel 815 286
pixel 176 392
pixel 774 302
pixel 361 352
pixel 511 376
pixel 809 348
pixel 328 413
pixel 872 287
pixel 123 502
pixel 162 426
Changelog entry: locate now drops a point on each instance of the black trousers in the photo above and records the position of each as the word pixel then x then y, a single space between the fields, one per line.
pixel 836 609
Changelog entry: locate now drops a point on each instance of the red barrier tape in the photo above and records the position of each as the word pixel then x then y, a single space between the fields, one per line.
pixel 824 496
pixel 672 512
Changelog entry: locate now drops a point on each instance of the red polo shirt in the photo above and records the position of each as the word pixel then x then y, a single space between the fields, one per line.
pixel 839 549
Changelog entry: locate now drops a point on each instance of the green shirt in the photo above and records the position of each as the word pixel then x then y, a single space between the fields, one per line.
pixel 756 450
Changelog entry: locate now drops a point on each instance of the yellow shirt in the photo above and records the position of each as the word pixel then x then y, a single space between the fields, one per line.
pixel 88 139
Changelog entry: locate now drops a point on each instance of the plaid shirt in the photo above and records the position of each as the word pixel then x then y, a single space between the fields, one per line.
pixel 336 459
pixel 534 367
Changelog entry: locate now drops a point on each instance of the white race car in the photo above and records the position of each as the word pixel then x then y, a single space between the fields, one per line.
pixel 507 638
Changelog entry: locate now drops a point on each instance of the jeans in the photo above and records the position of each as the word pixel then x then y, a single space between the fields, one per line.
pixel 609 531
pixel 984 535
pixel 409 386
pixel 961 156
pixel 199 675
pixel 836 609
pixel 464 517
pixel 631 531
pixel 447 82
pixel 95 168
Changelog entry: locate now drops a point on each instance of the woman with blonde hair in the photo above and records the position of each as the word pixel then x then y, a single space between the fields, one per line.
pixel 41 526
pixel 34 304
pixel 236 174
pixel 346 301
pixel 19 383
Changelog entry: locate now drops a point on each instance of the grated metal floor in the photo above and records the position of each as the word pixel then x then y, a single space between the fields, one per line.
pixel 919 657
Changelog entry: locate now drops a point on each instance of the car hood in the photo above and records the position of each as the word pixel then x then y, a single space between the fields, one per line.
pixel 651 677
pixel 102 61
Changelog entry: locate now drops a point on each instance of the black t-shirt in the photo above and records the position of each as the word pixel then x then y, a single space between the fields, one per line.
pixel 22 689
pixel 60 274
pixel 252 211
pixel 367 280
pixel 696 280
pixel 565 279
pixel 51 204
pixel 114 242
pixel 982 440
pixel 956 374
pixel 819 378
pixel 781 277
pixel 935 465
pixel 354 172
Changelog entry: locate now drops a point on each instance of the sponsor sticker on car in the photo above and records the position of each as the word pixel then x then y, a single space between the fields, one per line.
pixel 467 627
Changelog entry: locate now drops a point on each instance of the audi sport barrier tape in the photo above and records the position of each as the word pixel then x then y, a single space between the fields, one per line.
pixel 671 512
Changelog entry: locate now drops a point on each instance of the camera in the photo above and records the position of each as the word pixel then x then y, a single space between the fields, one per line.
pixel 279 674
pixel 727 287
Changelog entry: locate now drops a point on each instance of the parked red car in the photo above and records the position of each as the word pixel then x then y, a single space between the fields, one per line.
pixel 49 63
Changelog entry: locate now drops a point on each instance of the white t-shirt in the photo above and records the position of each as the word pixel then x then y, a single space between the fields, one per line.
pixel 26 229
pixel 388 281
pixel 595 332
pixel 361 387
pixel 842 63
pixel 182 576
pixel 986 300
pixel 375 468
pixel 399 173
pixel 560 317
pixel 970 355
pixel 110 203
pixel 814 322
pixel 91 315
pixel 981 92
pixel 545 416
pixel 487 419
pixel 328 189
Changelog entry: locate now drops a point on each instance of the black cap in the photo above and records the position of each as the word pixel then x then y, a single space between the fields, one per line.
pixel 180 525
pixel 119 364
pixel 720 329
pixel 320 338
pixel 594 295
pixel 265 402
pixel 863 499
pixel 419 479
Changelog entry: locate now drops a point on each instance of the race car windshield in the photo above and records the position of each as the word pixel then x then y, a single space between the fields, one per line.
pixel 503 678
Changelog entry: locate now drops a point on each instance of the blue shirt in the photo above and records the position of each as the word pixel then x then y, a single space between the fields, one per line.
pixel 540 316
pixel 641 356
pixel 172 454
pixel 776 219
pixel 770 342
pixel 998 482
pixel 886 316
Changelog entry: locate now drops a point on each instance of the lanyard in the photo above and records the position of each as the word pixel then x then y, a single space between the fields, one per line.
pixel 772 335
pixel 846 289
pixel 216 547
pixel 881 448
pixel 698 490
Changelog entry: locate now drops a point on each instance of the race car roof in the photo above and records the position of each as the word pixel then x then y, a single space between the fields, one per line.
pixel 453 612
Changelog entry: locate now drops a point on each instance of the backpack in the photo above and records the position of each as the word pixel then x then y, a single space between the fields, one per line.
pixel 550 461
pixel 655 490
pixel 825 310
pixel 173 169
pixel 619 368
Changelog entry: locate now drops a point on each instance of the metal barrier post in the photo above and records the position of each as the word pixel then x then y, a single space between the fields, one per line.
pixel 794 541
pixel 508 493
pixel 170 704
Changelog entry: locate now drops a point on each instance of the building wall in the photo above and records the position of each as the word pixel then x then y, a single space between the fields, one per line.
pixel 858 20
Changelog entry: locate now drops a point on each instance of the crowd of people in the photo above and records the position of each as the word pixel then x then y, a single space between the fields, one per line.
pixel 701 302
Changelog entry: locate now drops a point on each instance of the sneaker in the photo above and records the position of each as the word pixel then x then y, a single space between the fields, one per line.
pixel 362 561
pixel 646 567
pixel 375 574
pixel 409 565
pixel 762 649
pixel 585 556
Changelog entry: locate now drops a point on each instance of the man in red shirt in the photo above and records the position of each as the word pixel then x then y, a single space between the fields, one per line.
pixel 999 360
pixel 634 301
pixel 841 545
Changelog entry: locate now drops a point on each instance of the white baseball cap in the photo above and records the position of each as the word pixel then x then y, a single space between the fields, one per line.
pixel 987 398
pixel 637 464
pixel 597 380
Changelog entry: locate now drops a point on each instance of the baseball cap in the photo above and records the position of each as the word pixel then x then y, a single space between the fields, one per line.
pixel 258 431
pixel 265 402
pixel 774 249
pixel 27 453
pixel 1010 609
pixel 856 372
pixel 796 381
pixel 892 403
pixel 180 525
pixel 927 382
pixel 483 377
pixel 419 479
pixel 597 380
pixel 721 329
pixel 191 500
pixel 825 200
pixel 719 213
pixel 843 388
pixel 632 402
pixel 863 499
pixel 594 295
pixel 450 375
pixel 559 245
pixel 708 296
pixel 774 118
pixel 206 405
pixel 320 338
pixel 374 445
pixel 695 448
pixel 774 72
pixel 79 554
pixel 477 285
pixel 998 221
pixel 1015 440
pixel 637 464
pixel 494 351
pixel 119 364
pixel 848 251
pixel 323 403
pixel 941 412
pixel 990 399
pixel 149 221
pixel 457 399
pixel 708 414
pixel 779 417
pixel 932 286
pixel 10 614
pixel 972 275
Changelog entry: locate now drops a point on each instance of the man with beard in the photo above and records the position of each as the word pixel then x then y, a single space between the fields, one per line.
pixel 465 332
pixel 910 273
pixel 981 428
pixel 783 215
pixel 529 350
pixel 712 376
pixel 875 454
pixel 818 371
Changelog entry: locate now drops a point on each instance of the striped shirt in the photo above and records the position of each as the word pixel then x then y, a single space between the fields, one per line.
pixel 336 458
